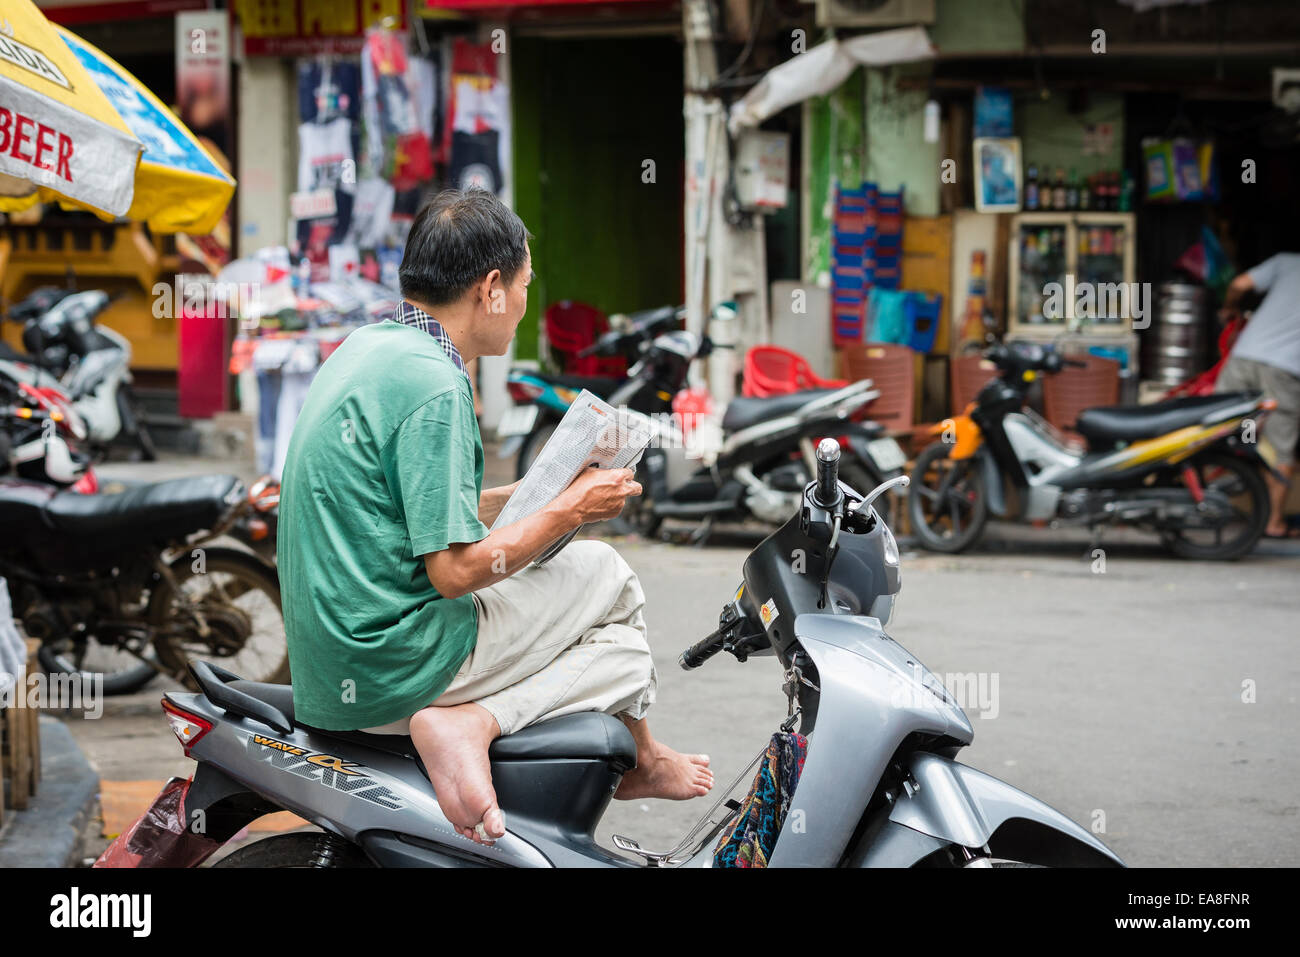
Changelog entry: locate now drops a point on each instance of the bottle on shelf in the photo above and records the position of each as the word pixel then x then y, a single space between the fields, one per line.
pixel 1085 199
pixel 1058 189
pixel 1072 190
pixel 1031 188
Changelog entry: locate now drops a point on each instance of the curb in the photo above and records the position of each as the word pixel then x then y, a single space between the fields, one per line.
pixel 49 833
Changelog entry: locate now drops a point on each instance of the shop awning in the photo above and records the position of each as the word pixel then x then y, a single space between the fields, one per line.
pixel 820 70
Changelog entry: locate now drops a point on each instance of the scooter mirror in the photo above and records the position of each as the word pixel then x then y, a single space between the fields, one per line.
pixel 58 461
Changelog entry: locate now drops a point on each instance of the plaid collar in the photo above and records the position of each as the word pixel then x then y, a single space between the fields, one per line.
pixel 410 315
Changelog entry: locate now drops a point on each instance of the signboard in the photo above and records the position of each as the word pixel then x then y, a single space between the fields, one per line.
pixel 293 28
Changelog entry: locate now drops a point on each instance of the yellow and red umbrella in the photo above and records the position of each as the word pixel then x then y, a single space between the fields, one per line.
pixel 93 136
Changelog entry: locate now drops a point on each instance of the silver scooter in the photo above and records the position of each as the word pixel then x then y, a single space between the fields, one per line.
pixel 879 784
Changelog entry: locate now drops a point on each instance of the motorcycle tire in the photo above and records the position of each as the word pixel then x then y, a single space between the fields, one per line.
pixel 532 446
pixel 304 849
pixel 1251 485
pixel 133 425
pixel 255 573
pixel 124 681
pixel 933 458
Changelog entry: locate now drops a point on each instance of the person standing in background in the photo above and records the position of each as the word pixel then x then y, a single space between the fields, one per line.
pixel 1266 358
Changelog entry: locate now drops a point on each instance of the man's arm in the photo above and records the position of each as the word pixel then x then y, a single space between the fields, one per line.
pixel 1237 289
pixel 464 567
pixel 493 500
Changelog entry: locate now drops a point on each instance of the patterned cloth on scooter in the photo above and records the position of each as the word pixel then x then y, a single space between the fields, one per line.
pixel 749 839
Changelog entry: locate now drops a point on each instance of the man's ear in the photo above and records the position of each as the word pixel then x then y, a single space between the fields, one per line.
pixel 493 293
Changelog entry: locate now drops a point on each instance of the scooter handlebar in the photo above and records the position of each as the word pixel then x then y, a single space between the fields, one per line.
pixel 828 472
pixel 701 651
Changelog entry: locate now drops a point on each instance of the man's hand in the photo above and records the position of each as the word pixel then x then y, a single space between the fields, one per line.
pixel 599 494
pixel 464 567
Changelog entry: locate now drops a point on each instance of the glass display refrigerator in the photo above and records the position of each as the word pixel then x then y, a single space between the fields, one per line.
pixel 1071 282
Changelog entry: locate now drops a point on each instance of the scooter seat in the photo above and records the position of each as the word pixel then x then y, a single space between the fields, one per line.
pixel 586 735
pixel 602 386
pixel 152 511
pixel 742 412
pixel 1107 425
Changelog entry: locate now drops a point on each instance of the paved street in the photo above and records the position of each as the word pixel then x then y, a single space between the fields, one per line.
pixel 1117 693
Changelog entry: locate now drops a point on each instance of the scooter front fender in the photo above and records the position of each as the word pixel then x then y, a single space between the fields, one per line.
pixel 956 804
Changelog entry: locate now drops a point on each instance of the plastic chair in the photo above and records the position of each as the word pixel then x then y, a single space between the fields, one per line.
pixel 1070 391
pixel 570 328
pixel 966 376
pixel 892 370
pixel 771 370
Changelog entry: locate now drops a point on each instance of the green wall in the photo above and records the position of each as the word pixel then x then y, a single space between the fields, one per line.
pixel 897 154
pixel 587 114
pixel 1051 136
pixel 836 148
pixel 970 26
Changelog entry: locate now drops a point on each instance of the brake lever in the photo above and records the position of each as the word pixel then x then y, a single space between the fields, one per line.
pixel 898 481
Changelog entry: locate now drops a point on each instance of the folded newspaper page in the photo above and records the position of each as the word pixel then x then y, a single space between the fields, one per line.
pixel 592 432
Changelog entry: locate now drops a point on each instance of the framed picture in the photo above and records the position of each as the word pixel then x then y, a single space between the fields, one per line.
pixel 997 174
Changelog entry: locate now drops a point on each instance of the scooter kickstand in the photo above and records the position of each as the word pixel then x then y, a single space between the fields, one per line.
pixel 701 534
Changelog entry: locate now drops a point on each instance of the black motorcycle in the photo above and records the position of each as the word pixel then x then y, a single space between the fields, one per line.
pixel 759 464
pixel 542 398
pixel 126 584
pixel 1186 469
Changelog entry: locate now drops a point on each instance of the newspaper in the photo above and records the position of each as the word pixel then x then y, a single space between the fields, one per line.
pixel 592 432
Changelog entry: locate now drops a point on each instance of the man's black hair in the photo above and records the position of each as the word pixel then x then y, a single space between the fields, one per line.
pixel 457 238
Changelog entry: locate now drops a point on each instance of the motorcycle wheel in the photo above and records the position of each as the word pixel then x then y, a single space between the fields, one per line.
pixel 296 850
pixel 533 445
pixel 1242 482
pixel 133 424
pixel 239 597
pixel 122 671
pixel 947 501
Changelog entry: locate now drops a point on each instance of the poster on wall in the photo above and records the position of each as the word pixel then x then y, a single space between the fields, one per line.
pixel 997 174
pixel 203 104
pixel 479 131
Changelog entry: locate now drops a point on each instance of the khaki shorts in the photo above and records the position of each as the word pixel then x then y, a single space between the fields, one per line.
pixel 556 640
pixel 1281 427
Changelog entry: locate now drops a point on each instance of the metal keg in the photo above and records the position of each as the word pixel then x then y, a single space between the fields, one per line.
pixel 1175 345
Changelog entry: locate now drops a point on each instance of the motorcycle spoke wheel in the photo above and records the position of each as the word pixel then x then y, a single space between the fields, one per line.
pixel 1236 489
pixel 946 501
pixel 238 600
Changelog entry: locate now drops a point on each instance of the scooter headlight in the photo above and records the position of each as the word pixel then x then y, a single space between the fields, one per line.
pixel 890 544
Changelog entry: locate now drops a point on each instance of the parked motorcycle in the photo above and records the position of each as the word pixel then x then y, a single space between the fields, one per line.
pixel 126 585
pixel 879 781
pixel 542 398
pixel 765 454
pixel 258 525
pixel 89 363
pixel 42 437
pixel 1180 468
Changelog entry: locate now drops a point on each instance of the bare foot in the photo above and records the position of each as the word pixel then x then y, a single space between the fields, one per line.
pixel 453 743
pixel 664 773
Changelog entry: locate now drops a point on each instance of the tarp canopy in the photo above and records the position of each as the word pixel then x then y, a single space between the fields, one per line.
pixel 820 70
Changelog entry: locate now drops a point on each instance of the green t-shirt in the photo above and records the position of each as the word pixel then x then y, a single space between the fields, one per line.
pixel 385 465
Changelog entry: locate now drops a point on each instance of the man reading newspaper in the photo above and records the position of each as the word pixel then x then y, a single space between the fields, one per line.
pixel 403 613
